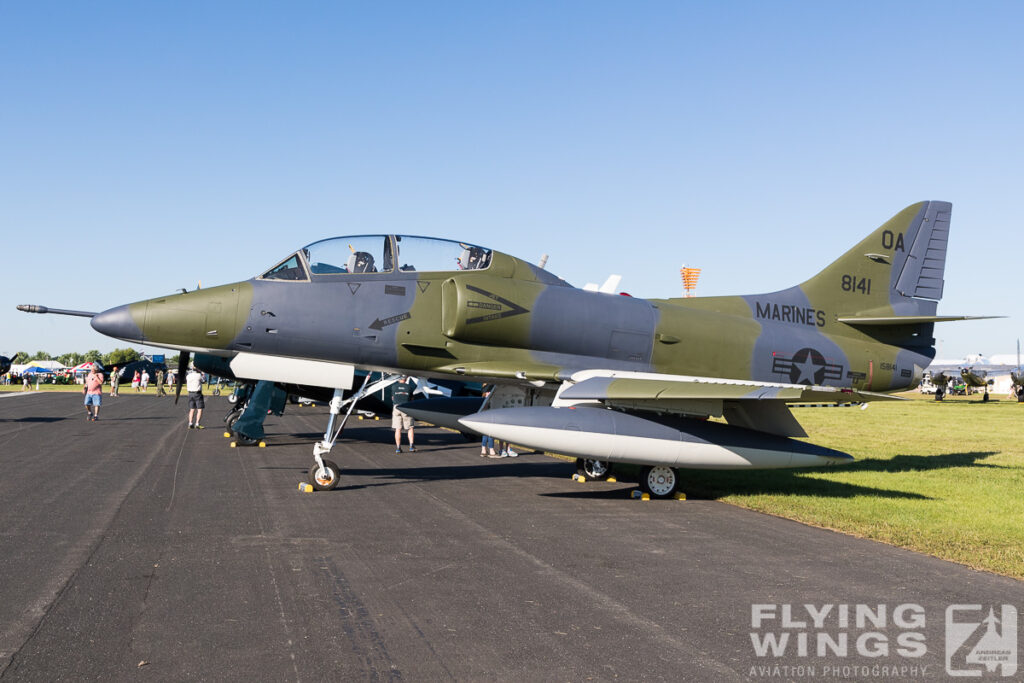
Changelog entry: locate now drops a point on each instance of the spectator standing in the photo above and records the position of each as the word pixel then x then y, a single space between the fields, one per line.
pixel 401 392
pixel 144 380
pixel 136 380
pixel 194 385
pixel 93 391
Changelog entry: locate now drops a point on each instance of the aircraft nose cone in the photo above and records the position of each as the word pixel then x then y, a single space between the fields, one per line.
pixel 117 322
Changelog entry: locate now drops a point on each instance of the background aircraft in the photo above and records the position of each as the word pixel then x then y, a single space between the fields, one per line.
pixel 5 365
pixel 1017 378
pixel 977 379
pixel 603 378
pixel 941 381
pixel 1018 385
pixel 254 400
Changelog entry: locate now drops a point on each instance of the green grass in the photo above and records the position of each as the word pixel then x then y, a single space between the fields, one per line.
pixel 945 479
pixel 77 388
pixel 43 386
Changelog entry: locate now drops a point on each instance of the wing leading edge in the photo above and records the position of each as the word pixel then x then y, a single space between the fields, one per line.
pixel 761 406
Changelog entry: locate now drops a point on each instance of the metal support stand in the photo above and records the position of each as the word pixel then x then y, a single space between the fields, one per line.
pixel 332 433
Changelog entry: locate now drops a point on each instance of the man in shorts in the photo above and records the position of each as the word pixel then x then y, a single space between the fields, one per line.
pixel 194 385
pixel 400 393
pixel 93 391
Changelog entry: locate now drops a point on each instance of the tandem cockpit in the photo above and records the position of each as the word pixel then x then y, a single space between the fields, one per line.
pixel 362 254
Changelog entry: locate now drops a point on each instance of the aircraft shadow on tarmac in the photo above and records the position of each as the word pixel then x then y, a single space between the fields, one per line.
pixel 32 419
pixel 359 478
pixel 713 485
pixel 697 484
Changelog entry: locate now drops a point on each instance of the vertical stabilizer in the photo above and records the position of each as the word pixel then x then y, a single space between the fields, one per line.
pixel 896 270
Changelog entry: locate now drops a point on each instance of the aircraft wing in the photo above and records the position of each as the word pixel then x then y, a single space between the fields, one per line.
pixel 651 387
pixel 762 406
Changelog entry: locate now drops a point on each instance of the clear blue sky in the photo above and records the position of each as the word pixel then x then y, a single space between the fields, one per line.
pixel 146 147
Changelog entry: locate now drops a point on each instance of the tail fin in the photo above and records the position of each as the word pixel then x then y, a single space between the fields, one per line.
pixel 896 271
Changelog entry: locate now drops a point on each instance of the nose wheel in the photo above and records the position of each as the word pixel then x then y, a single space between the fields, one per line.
pixel 325 476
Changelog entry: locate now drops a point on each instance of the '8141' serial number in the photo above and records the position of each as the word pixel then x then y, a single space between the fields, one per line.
pixel 852 283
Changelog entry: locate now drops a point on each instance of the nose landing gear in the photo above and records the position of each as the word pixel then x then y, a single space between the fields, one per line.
pixel 326 473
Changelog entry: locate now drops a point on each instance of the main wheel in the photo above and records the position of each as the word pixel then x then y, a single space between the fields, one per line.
pixel 324 478
pixel 660 481
pixel 593 470
pixel 231 418
pixel 243 440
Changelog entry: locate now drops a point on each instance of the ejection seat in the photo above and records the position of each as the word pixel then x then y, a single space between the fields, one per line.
pixel 361 262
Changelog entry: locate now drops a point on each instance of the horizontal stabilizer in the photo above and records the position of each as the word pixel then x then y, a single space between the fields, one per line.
pixel 910 319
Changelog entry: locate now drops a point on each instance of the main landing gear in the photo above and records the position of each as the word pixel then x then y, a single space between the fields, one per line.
pixel 326 473
pixel 593 470
pixel 659 481
pixel 253 403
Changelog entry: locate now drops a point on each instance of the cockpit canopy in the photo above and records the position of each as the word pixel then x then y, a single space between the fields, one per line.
pixel 379 254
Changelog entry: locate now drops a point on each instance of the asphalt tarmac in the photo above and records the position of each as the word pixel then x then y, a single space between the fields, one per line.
pixel 135 549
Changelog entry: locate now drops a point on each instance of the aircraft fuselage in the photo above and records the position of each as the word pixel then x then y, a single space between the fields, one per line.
pixel 483 324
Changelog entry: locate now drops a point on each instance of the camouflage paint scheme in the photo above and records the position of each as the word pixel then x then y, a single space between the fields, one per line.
pixel 975 378
pixel 861 327
pixel 514 321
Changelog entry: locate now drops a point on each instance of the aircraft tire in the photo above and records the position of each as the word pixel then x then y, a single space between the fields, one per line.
pixel 243 440
pixel 232 418
pixel 660 481
pixel 593 470
pixel 328 479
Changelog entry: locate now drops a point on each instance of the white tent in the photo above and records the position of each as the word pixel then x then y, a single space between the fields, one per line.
pixel 48 364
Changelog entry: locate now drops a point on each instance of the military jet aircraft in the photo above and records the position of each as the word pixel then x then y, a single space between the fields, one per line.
pixel 977 379
pixel 941 381
pixel 602 378
pixel 1017 379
